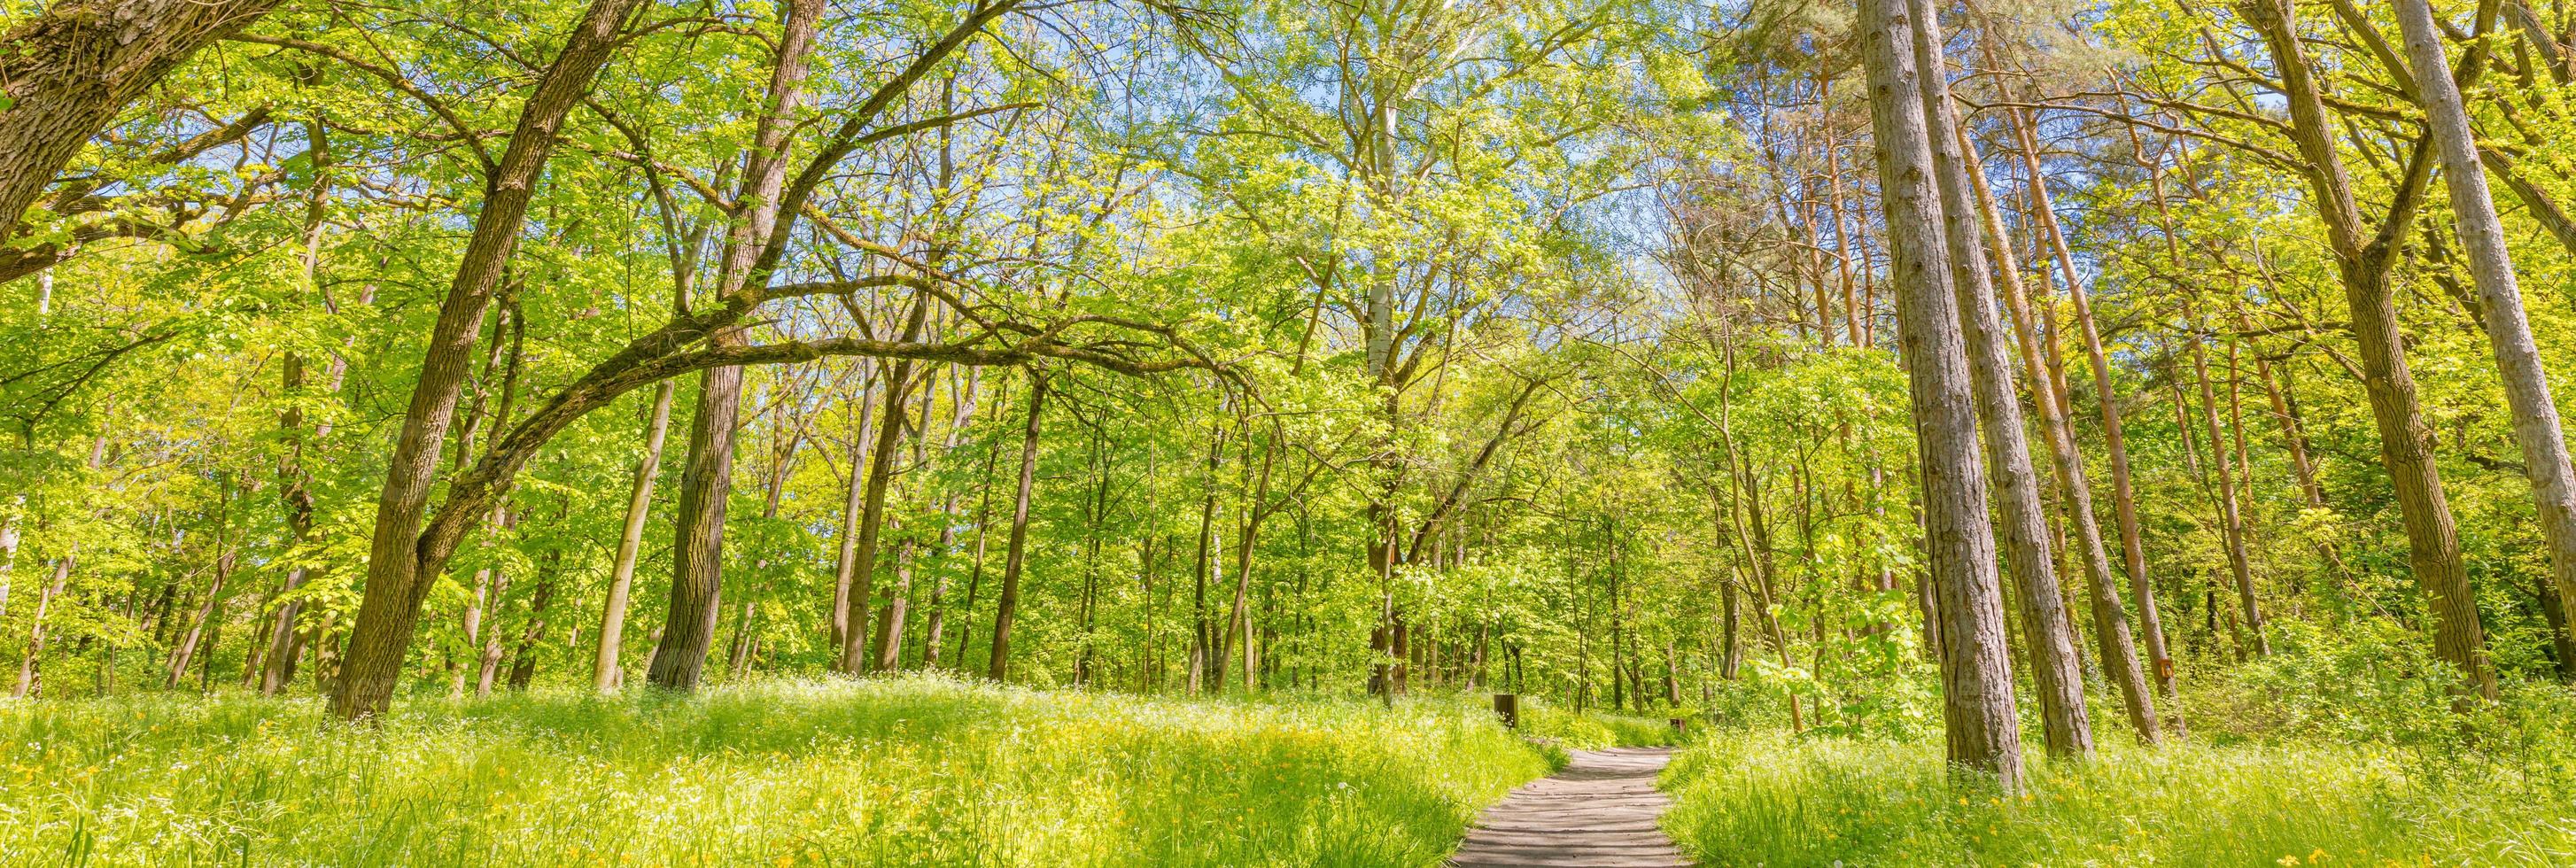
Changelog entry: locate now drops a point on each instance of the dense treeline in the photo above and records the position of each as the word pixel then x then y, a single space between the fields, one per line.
pixel 1849 368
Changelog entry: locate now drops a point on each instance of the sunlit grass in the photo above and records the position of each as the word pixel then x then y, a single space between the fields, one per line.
pixel 894 772
pixel 1592 730
pixel 1745 799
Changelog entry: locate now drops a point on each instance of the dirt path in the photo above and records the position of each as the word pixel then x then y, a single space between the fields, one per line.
pixel 1600 811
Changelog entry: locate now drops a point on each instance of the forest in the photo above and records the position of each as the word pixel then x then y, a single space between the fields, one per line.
pixel 1286 432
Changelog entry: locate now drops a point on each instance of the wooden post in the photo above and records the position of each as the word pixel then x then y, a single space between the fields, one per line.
pixel 1508 707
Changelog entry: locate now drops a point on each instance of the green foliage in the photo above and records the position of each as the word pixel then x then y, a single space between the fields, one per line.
pixel 1592 730
pixel 914 771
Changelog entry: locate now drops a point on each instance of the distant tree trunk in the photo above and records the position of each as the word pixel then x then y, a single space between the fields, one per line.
pixel 285 643
pixel 854 505
pixel 606 673
pixel 487 661
pixel 523 665
pixel 2231 521
pixel 2526 382
pixel 890 433
pixel 934 632
pixel 1238 624
pixel 890 625
pixel 1984 734
pixel 2115 446
pixel 890 628
pixel 738 655
pixel 1203 656
pixel 185 651
pixel 1733 661
pixel 999 667
pixel 975 573
pixel 29 674
pixel 2562 639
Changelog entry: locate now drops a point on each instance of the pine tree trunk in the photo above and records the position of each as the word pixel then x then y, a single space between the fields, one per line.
pixel 1977 694
pixel 2110 619
pixel 2231 521
pixel 2115 446
pixel 2056 669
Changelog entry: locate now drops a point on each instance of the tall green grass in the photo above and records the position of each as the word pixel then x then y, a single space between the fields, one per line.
pixel 1769 799
pixel 892 772
pixel 1592 730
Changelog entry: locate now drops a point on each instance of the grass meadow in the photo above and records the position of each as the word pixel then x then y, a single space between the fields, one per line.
pixel 910 771
pixel 1780 801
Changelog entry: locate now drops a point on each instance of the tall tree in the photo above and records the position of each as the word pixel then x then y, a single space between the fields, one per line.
pixel 1977 699
pixel 2526 383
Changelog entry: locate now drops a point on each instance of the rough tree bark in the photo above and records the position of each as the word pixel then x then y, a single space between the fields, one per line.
pixel 1983 733
pixel 2056 670
pixel 2110 619
pixel 706 482
pixel 2364 258
pixel 65 73
pixel 396 585
pixel 2526 383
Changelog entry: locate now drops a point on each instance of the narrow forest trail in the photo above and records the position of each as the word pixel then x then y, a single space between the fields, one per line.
pixel 1600 811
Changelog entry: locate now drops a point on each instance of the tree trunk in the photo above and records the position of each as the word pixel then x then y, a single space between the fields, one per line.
pixel 999 667
pixel 854 503
pixel 2115 444
pixel 523 662
pixel 399 571
pixel 606 672
pixel 890 433
pixel 2363 259
pixel 2526 383
pixel 67 72
pixel 2231 521
pixel 1983 733
pixel 1204 662
pixel 2056 669
pixel 2110 619
pixel 487 669
pixel 983 523
pixel 706 479
pixel 30 676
